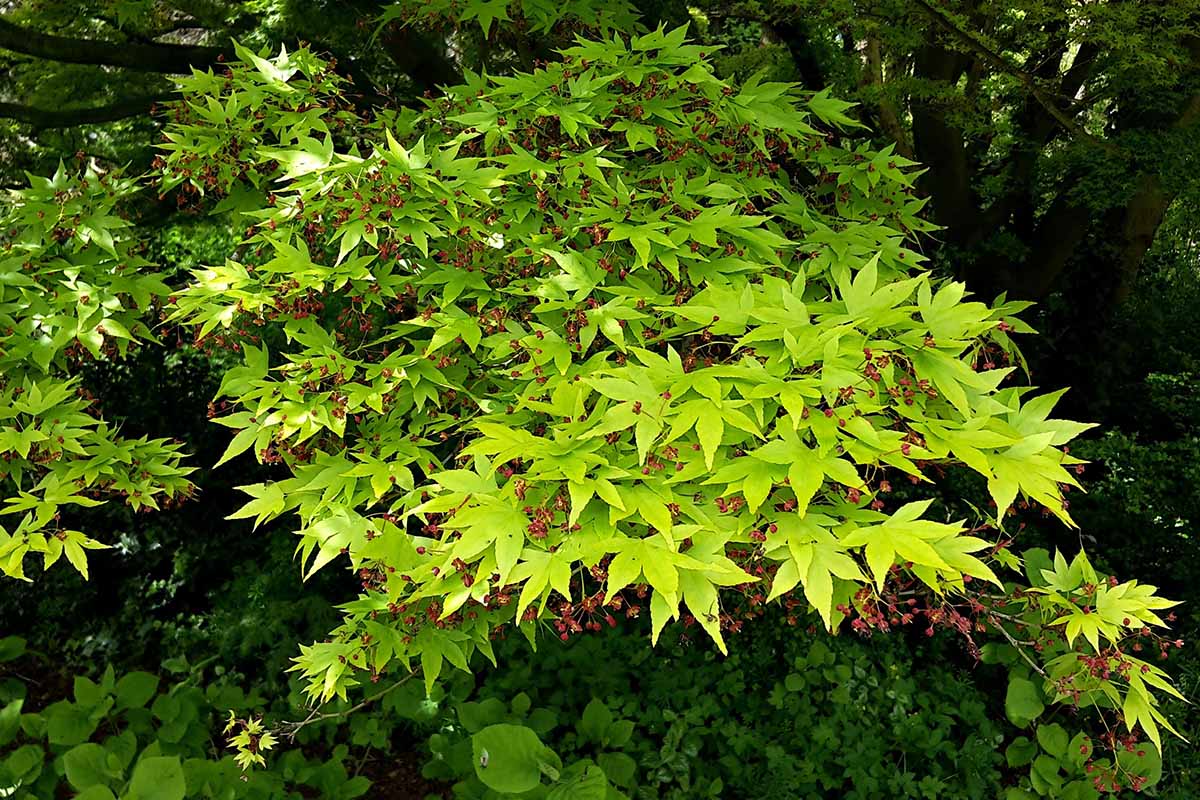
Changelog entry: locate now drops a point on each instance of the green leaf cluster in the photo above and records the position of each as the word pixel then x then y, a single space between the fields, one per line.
pixel 73 289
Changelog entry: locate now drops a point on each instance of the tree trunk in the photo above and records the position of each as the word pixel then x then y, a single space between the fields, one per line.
pixel 1143 216
pixel 940 146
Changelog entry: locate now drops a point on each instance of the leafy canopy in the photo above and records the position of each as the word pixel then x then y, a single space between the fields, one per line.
pixel 567 340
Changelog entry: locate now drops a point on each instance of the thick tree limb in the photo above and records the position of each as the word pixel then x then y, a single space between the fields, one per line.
pixel 794 34
pixel 68 118
pixel 1037 129
pixel 147 57
pixel 1143 215
pixel 1060 233
pixel 1080 70
pixel 1145 212
pixel 1062 230
pixel 210 14
pixel 889 120
pixel 1004 65
pixel 940 145
pixel 425 62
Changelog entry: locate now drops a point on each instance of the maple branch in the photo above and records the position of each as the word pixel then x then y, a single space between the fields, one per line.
pixel 290 729
pixel 1017 646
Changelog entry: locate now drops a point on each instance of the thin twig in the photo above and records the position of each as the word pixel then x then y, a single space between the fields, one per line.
pixel 1012 640
pixel 290 729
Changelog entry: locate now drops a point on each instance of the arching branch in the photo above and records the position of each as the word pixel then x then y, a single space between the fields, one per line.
pixel 70 117
pixel 144 56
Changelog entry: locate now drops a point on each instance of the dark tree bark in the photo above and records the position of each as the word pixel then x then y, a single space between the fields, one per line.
pixel 67 118
pixel 425 62
pixel 942 148
pixel 1142 217
pixel 997 60
pixel 885 109
pixel 959 162
pixel 1052 246
pixel 153 57
pixel 795 36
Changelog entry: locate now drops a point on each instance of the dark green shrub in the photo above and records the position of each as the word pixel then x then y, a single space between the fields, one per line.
pixel 785 715
pixel 140 737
